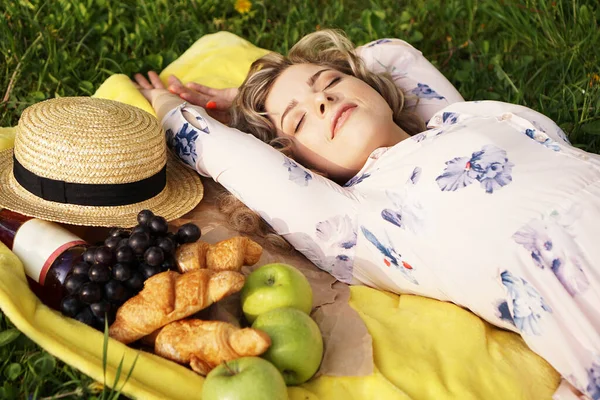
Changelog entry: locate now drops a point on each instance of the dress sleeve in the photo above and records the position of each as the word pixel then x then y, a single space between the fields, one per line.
pixel 532 123
pixel 427 91
pixel 310 211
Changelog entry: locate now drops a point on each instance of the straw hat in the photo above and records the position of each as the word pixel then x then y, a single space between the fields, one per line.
pixel 95 162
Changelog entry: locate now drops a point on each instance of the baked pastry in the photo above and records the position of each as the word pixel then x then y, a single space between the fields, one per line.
pixel 227 255
pixel 206 344
pixel 171 296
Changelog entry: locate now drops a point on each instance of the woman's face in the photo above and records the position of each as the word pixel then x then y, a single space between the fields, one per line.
pixel 334 120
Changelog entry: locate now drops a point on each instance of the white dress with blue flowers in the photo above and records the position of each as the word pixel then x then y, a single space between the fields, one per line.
pixel 490 208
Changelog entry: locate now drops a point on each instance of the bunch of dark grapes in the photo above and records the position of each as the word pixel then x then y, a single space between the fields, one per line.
pixel 115 271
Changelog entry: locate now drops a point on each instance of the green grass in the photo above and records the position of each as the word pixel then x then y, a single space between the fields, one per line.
pixel 542 54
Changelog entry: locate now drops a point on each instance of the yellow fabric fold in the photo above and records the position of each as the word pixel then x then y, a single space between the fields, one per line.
pixel 423 348
pixel 7 138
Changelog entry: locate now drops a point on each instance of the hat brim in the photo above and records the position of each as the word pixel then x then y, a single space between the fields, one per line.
pixel 181 194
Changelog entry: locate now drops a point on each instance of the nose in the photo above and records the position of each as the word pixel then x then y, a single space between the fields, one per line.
pixel 324 102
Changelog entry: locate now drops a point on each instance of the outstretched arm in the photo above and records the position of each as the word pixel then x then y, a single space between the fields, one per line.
pixel 427 90
pixel 317 216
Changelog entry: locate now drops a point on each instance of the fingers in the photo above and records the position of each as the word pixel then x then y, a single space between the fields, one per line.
pixel 194 98
pixel 172 80
pixel 142 81
pixel 175 85
pixel 202 89
pixel 156 82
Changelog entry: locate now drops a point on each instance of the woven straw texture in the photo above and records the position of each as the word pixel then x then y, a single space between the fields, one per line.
pixel 94 141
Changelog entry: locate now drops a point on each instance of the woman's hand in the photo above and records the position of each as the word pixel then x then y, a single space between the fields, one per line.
pixel 149 89
pixel 216 101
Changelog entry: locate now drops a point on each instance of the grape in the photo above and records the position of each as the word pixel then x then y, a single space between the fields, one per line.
pixel 123 242
pixel 129 292
pixel 159 226
pixel 103 255
pixel 100 320
pixel 90 292
pixel 89 255
pixel 103 311
pixel 100 308
pixel 74 282
pixel 121 272
pixel 149 270
pixel 81 268
pixel 166 244
pixel 154 256
pixel 144 217
pixel 188 233
pixel 169 264
pixel 139 242
pixel 118 232
pixel 70 306
pixel 86 316
pixel 140 229
pixel 112 242
pixel 125 254
pixel 136 282
pixel 173 237
pixel 114 291
pixel 99 273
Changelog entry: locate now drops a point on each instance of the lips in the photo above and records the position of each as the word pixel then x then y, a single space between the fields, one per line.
pixel 340 117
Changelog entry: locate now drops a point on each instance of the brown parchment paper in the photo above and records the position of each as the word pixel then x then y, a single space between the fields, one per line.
pixel 347 343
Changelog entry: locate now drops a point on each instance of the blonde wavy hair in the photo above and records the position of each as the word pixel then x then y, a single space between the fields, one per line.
pixel 328 48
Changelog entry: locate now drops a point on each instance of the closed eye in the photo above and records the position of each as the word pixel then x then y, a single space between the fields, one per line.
pixel 333 82
pixel 299 124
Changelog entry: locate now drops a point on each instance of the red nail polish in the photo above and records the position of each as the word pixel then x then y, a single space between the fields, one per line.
pixel 211 105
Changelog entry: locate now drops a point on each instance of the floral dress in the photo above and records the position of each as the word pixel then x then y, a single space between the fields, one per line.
pixel 490 208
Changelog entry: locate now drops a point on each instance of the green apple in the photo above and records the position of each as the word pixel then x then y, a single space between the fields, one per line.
pixel 296 343
pixel 273 286
pixel 246 378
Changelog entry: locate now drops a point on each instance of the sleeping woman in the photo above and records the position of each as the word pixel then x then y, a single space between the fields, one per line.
pixel 379 172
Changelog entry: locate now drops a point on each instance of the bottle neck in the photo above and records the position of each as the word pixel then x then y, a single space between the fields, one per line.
pixel 10 222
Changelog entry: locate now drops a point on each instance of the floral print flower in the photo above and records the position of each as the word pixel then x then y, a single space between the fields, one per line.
pixel 183 143
pixel 489 166
pixel 549 243
pixel 357 179
pixel 449 118
pixel 593 386
pixel 339 231
pixel 561 134
pixel 298 174
pixel 390 256
pixel 504 313
pixel 542 139
pixel 416 175
pixel 419 137
pixel 407 213
pixel 336 236
pixel 380 41
pixel 528 305
pixel 339 264
pixel 423 91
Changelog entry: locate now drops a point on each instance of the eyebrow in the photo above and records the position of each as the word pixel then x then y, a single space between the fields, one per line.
pixel 310 82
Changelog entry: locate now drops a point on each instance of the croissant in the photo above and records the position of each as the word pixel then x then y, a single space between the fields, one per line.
pixel 206 344
pixel 230 255
pixel 170 296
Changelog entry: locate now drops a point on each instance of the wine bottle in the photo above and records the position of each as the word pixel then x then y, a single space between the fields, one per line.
pixel 47 250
